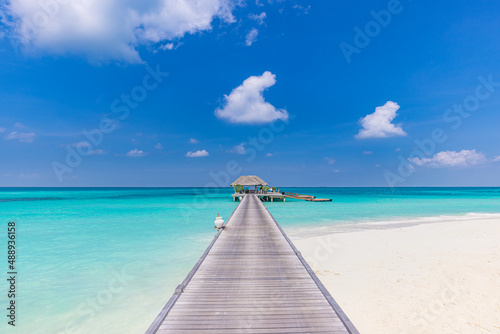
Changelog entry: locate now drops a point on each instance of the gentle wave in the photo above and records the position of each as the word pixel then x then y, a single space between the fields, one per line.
pixel 430 219
pixel 28 199
pixel 336 227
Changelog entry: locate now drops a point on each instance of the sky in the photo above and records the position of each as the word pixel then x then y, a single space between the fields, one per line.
pixel 196 93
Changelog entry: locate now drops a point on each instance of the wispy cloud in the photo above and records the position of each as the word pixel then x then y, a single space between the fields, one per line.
pixel 159 146
pixel 303 9
pixel 87 145
pixel 246 103
pixel 464 158
pixel 170 46
pixel 497 158
pixel 167 46
pixel 268 155
pixel 23 137
pixel 259 18
pixel 19 125
pixel 135 153
pixel 238 149
pixel 251 37
pixel 367 152
pixel 197 154
pixel 29 176
pixel 330 161
pixel 193 141
pixel 99 151
pixel 378 124
pixel 81 144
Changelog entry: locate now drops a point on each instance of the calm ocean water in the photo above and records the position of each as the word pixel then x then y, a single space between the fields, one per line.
pixel 106 260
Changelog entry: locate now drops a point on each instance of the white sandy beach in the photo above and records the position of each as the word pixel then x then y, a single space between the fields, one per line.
pixel 440 277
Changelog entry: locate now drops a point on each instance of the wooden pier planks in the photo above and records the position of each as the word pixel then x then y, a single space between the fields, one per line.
pixel 251 279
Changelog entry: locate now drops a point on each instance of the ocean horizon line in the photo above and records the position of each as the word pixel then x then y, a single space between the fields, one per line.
pixel 226 187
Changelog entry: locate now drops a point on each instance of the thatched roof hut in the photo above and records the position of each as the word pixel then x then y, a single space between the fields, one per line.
pixel 249 180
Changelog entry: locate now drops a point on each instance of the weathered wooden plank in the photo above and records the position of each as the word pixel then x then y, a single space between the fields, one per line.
pixel 249 330
pixel 251 279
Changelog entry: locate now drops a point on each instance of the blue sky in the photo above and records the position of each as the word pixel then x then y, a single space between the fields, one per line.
pixel 317 93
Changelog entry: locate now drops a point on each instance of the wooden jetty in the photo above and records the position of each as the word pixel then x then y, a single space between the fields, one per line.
pixel 251 279
pixel 309 198
pixel 243 185
pixel 263 196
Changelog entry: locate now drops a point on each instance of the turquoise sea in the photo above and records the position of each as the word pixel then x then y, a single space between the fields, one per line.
pixel 106 260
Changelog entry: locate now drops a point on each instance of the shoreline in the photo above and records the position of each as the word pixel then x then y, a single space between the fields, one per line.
pixel 437 276
pixel 298 232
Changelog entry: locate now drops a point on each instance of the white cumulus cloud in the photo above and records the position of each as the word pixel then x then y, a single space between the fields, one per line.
pixel 251 37
pixel 246 104
pixel 464 158
pixel 110 29
pixel 378 124
pixel 23 137
pixel 197 154
pixel 135 153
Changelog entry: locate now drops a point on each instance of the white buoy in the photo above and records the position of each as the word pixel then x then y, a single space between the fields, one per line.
pixel 218 222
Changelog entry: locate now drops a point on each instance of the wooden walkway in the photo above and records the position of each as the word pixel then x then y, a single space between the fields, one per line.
pixel 251 279
pixel 309 198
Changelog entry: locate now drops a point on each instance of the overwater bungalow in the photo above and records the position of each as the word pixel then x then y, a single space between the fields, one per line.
pixel 252 184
